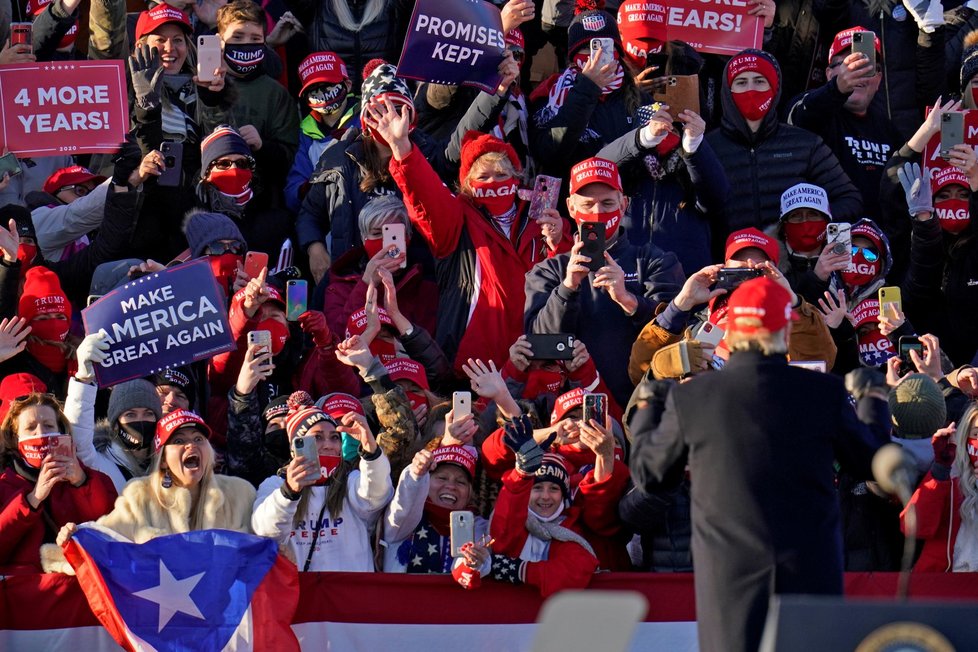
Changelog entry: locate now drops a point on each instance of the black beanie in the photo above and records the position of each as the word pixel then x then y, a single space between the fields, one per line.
pixel 591 22
pixel 25 225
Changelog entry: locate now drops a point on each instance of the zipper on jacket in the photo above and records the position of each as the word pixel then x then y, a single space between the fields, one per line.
pixel 754 181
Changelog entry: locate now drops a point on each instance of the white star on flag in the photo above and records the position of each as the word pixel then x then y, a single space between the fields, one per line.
pixel 416 561
pixel 423 533
pixel 432 548
pixel 172 595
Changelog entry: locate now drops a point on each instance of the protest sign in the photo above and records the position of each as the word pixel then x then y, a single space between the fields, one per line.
pixel 932 151
pixel 162 320
pixel 713 26
pixel 459 42
pixel 63 107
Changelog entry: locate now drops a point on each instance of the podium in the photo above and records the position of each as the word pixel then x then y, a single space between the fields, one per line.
pixel 803 623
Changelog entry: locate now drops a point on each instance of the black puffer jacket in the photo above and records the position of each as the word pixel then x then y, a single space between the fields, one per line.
pixel 762 165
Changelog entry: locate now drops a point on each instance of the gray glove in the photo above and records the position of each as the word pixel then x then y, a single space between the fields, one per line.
pixel 916 187
pixel 146 72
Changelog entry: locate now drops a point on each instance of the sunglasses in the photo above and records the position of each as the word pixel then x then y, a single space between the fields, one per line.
pixel 221 248
pixel 871 255
pixel 241 163
pixel 81 191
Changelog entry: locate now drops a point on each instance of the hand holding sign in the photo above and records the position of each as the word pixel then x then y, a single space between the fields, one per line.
pixel 516 12
pixel 764 9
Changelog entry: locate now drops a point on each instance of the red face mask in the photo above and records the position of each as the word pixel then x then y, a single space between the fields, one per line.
pixel 384 350
pixel 972 446
pixel 874 348
pixel 953 214
pixel 26 254
pixel 497 197
pixel 416 399
pixel 225 267
pixel 860 272
pixel 668 144
pixel 279 332
pixel 233 182
pixel 372 246
pixel 327 465
pixel 611 220
pixel 806 236
pixel 754 105
pixel 34 449
pixel 47 352
pixel 974 95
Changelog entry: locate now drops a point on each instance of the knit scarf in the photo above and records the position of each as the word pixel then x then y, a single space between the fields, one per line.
pixel 175 121
pixel 558 86
pixel 219 202
pixel 553 530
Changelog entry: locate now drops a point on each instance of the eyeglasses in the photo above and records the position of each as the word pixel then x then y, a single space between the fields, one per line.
pixel 220 248
pixel 871 255
pixel 81 191
pixel 246 163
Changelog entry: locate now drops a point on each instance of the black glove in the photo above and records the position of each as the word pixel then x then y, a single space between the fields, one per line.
pixel 146 71
pixel 860 381
pixel 125 162
pixel 518 437
pixel 507 569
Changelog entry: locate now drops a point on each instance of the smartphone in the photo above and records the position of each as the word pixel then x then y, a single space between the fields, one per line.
pixel 708 334
pixel 952 132
pixel 729 278
pixel 838 238
pixel 261 338
pixel 296 299
pixel 255 262
pixel 208 57
pixel 596 405
pixel 890 294
pixel 173 160
pixel 679 92
pixel 62 446
pixel 865 43
pixel 462 525
pixel 909 343
pixel 21 33
pixel 394 235
pixel 593 237
pixel 813 365
pixel 92 298
pixel 607 51
pixel 545 192
pixel 551 346
pixel 461 404
pixel 9 164
pixel 305 447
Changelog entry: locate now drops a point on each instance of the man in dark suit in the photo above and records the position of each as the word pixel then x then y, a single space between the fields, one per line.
pixel 761 438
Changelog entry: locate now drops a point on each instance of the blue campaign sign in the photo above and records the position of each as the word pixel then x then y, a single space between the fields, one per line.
pixel 458 42
pixel 161 320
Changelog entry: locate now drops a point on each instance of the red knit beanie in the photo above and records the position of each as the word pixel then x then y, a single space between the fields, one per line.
pixel 303 415
pixel 476 144
pixel 42 295
pixel 752 61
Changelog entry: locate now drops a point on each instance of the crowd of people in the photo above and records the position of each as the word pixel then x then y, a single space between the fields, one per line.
pixel 304 144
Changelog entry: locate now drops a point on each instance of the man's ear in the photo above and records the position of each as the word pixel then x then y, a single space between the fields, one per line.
pixel 624 203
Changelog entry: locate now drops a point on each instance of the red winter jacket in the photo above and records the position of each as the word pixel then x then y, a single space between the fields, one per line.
pixel 480 271
pixel 938 504
pixel 23 530
pixel 497 458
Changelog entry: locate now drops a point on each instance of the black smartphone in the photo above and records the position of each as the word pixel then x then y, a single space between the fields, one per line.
pixel 593 237
pixel 952 132
pixel 9 165
pixel 173 160
pixel 728 278
pixel 909 343
pixel 551 346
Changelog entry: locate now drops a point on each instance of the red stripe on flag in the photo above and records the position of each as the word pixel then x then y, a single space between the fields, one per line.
pixel 278 593
pixel 99 598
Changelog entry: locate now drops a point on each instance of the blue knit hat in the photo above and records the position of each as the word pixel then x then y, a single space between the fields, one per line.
pixel 203 228
pixel 222 141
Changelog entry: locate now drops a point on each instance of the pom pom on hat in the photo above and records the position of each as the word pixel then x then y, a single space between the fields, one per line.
pixel 588 5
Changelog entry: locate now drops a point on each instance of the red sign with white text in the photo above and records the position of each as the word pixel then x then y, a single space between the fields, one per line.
pixel 63 107
pixel 714 26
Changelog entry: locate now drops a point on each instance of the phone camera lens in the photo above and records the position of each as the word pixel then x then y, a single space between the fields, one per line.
pixel 169 161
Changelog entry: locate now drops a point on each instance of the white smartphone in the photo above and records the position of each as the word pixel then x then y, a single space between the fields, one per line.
pixel 461 404
pixel 394 235
pixel 208 57
pixel 709 334
pixel 607 47
pixel 813 365
pixel 838 238
pixel 463 530
pixel 261 338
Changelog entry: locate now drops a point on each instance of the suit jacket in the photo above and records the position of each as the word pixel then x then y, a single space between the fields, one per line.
pixel 762 437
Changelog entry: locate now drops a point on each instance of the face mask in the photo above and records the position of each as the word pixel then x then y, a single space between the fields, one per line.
pixel 277 443
pixel 953 214
pixel 807 236
pixel 233 182
pixel 49 354
pixel 754 105
pixel 497 197
pixel 972 449
pixel 279 331
pixel 416 399
pixel 327 465
pixel 225 267
pixel 860 272
pixel 542 382
pixel 974 95
pixel 384 350
pixel 611 220
pixel 33 450
pixel 26 254
pixel 137 434
pixel 51 330
pixel 668 144
pixel 372 246
pixel 327 100
pixel 874 348
pixel 245 59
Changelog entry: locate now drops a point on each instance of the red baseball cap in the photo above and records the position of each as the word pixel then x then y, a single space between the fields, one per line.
pixel 321 68
pixel 357 323
pixel 175 420
pixel 751 237
pixel 149 21
pixel 759 303
pixel 594 170
pixel 946 176
pixel 865 230
pixel 17 386
pixel 339 404
pixel 407 369
pixel 843 41
pixel 567 402
pixel 69 177
pixel 458 455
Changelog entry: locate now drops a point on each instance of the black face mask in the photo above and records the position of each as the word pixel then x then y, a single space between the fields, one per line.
pixel 277 444
pixel 245 60
pixel 137 434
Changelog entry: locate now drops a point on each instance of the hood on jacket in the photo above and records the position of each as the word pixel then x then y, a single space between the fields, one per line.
pixel 864 291
pixel 38 198
pixel 733 123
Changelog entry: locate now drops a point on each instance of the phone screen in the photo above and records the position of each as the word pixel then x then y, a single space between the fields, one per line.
pixel 296 299
pixel 908 344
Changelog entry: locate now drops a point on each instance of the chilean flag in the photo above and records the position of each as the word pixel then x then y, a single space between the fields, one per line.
pixel 203 590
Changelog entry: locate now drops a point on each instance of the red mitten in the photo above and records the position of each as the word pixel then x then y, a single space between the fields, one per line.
pixel 944 447
pixel 468 578
pixel 314 323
